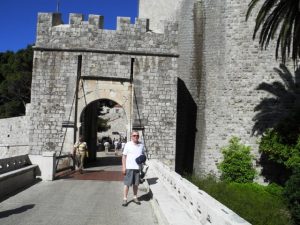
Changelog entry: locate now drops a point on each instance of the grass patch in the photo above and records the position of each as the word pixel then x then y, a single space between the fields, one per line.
pixel 259 205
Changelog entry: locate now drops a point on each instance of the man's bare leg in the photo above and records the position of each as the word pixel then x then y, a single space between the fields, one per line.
pixel 126 189
pixel 135 190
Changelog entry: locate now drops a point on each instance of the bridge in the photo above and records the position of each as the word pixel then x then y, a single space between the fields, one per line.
pixel 95 197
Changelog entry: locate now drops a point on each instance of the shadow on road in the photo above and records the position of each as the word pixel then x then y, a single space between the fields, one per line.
pixel 21 209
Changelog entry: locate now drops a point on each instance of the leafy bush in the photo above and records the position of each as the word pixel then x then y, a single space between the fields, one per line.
pixel 237 164
pixel 292 193
pixel 259 205
pixel 279 151
pixel 279 157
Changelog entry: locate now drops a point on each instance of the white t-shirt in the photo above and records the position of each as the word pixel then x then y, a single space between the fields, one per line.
pixel 132 151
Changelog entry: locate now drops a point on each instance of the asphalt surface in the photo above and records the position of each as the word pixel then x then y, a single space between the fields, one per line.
pixel 77 201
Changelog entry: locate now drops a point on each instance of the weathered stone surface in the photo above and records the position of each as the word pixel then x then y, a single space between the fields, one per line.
pixel 132 66
pixel 221 66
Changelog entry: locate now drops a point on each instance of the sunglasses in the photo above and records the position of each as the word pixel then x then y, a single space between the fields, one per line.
pixel 135 135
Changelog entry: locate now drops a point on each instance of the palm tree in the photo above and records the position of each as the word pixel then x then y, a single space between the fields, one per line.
pixel 281 111
pixel 281 19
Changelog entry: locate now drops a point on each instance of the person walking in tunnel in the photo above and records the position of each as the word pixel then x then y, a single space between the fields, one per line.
pixel 80 151
pixel 132 150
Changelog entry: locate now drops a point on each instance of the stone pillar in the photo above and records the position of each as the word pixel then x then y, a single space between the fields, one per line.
pixel 46 163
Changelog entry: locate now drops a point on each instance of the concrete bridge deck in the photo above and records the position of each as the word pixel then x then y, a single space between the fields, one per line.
pixel 94 198
pixel 88 199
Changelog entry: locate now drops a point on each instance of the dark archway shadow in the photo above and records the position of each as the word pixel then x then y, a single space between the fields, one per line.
pixel 185 130
pixel 18 210
pixel 280 112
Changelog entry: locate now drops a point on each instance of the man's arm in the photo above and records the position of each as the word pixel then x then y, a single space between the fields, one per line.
pixel 124 164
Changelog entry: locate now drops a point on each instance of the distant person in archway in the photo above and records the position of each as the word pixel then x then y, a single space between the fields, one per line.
pixel 132 150
pixel 80 152
pixel 116 142
pixel 123 145
pixel 106 146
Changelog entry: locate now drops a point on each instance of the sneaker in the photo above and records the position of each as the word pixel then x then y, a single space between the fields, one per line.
pixel 124 203
pixel 136 201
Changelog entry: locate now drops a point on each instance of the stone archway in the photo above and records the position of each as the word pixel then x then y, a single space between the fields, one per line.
pixel 99 120
pixel 90 91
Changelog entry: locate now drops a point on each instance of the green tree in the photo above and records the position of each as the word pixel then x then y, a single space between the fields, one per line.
pixel 278 19
pixel 237 164
pixel 15 81
pixel 102 124
pixel 292 193
pixel 278 150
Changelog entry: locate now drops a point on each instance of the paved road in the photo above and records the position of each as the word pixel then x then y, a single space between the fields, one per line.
pixel 75 202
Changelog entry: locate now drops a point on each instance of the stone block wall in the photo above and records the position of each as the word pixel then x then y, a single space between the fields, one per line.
pixel 52 95
pixel 155 80
pixel 232 67
pixel 14 136
pixel 221 66
pixel 131 53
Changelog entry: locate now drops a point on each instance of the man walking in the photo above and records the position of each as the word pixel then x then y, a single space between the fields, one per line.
pixel 130 168
pixel 80 152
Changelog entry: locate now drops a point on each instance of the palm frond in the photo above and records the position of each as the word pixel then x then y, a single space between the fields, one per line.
pixel 297 78
pixel 262 14
pixel 286 76
pixel 281 18
pixel 251 6
pixel 276 88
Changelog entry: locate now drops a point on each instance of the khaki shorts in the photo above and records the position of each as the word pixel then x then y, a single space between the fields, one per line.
pixel 132 177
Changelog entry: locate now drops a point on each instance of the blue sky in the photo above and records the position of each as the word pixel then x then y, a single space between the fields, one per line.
pixel 18 17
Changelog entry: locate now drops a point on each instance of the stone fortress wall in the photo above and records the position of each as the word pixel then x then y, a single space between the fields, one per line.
pixel 218 63
pixel 106 55
pixel 221 66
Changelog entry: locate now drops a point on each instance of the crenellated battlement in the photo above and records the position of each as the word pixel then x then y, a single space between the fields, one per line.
pixel 78 33
pixel 77 20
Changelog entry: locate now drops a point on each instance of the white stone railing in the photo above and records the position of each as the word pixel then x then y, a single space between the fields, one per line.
pixel 206 209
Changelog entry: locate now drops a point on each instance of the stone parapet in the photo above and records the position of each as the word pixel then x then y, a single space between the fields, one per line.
pixel 181 202
pixel 90 35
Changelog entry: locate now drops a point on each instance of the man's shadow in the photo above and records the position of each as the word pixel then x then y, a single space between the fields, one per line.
pixel 149 195
pixel 19 210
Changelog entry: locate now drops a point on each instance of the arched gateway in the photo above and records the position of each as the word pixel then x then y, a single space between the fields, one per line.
pixel 78 63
